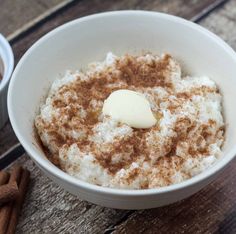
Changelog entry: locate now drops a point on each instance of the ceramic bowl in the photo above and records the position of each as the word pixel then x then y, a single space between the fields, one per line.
pixel 77 43
pixel 6 67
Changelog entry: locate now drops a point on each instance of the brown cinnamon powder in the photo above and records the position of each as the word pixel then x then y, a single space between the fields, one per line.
pixel 132 74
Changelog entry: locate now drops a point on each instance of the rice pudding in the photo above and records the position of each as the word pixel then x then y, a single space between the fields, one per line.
pixel 94 147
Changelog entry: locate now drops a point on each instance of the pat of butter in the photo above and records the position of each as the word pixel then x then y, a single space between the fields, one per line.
pixel 129 107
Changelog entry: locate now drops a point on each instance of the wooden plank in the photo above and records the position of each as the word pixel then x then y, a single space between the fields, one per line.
pixel 17 15
pixel 49 208
pixel 7 138
pixel 222 23
pixel 213 210
pixel 186 9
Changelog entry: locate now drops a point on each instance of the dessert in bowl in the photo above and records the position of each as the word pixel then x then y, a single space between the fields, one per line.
pixel 208 67
pixel 179 136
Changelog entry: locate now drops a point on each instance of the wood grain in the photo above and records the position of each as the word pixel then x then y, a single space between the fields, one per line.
pixel 186 9
pixel 223 22
pixel 52 210
pixel 14 15
pixel 7 138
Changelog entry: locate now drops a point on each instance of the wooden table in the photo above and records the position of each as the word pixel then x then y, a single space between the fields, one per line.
pixel 48 208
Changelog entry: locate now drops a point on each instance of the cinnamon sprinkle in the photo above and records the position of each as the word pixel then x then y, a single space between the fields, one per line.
pixel 132 74
pixel 78 113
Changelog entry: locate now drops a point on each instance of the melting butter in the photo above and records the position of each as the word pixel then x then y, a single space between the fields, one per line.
pixel 129 107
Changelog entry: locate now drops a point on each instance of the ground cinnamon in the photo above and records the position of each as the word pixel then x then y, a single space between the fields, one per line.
pixel 8 192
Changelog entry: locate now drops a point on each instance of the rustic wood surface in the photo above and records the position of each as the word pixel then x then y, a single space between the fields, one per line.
pixel 7 138
pixel 49 209
pixel 16 15
pixel 186 9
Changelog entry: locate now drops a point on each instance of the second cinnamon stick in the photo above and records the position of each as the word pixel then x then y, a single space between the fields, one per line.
pixel 8 192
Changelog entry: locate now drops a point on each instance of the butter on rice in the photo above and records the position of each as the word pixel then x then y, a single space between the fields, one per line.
pixel 95 148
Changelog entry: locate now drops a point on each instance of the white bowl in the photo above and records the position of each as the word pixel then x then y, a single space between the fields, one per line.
pixel 6 68
pixel 88 39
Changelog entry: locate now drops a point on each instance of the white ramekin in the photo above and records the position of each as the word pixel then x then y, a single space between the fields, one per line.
pixel 6 68
pixel 88 39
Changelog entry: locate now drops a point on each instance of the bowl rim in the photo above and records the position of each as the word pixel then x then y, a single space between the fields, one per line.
pixel 61 175
pixel 7 51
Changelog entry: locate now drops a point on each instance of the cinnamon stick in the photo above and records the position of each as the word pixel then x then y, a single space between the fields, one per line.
pixel 18 202
pixel 4 177
pixel 5 211
pixel 8 192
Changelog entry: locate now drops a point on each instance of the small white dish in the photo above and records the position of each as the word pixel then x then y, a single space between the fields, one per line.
pixel 75 44
pixel 6 68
